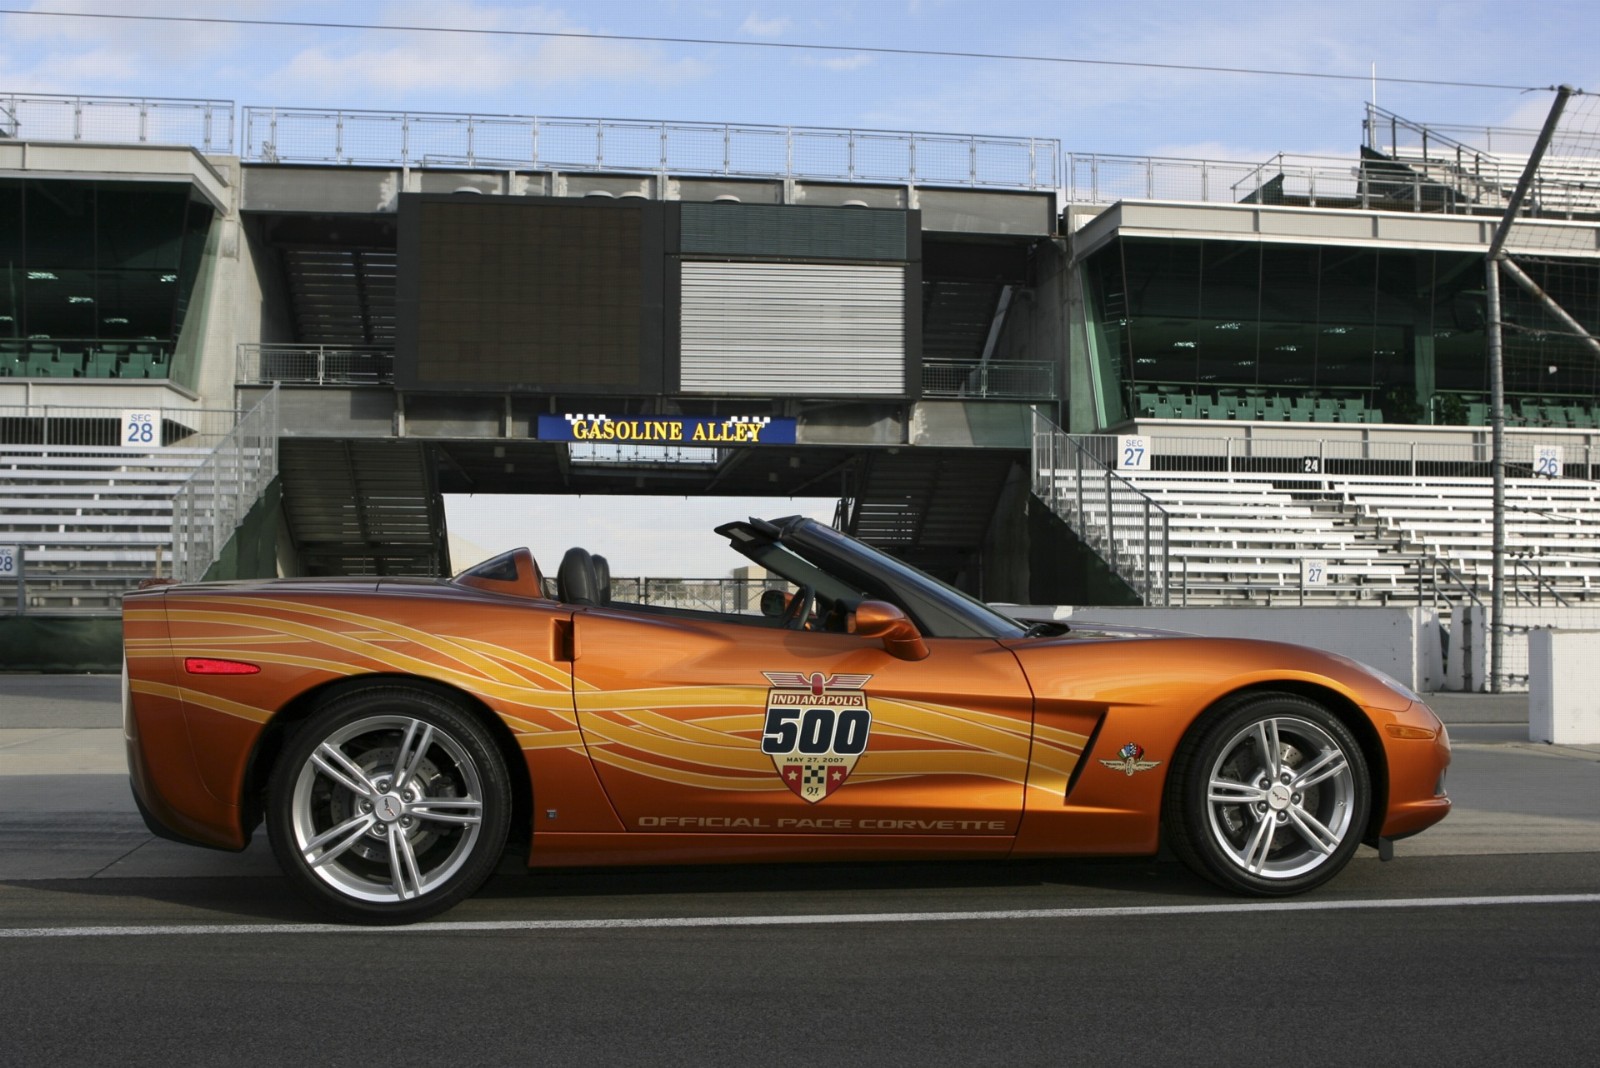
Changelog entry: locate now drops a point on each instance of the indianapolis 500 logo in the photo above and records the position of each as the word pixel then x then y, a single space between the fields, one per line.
pixel 817 726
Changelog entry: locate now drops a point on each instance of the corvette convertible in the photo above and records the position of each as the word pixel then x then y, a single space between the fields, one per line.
pixel 396 735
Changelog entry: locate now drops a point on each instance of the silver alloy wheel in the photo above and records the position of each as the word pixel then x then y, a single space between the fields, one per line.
pixel 387 808
pixel 1280 797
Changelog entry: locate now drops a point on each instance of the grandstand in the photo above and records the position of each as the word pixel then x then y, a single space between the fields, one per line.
pixel 1211 538
pixel 90 522
pixel 1475 169
pixel 416 304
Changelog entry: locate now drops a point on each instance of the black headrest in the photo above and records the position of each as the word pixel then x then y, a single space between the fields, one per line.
pixel 575 579
pixel 602 578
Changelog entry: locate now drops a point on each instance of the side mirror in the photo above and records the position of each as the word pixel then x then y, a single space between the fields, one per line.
pixel 879 619
pixel 774 603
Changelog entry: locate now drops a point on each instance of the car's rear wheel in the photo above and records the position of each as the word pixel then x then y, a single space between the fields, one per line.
pixel 388 805
pixel 1269 796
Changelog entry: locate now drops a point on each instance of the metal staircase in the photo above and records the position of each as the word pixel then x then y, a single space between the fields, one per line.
pixel 364 507
pixel 930 508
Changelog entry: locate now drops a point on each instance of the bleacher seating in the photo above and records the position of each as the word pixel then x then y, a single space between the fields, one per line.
pixel 1239 538
pixel 1565 185
pixel 1252 405
pixel 91 520
pixel 1552 527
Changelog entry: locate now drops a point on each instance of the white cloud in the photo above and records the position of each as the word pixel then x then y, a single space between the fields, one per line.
pixel 853 61
pixel 756 26
pixel 400 63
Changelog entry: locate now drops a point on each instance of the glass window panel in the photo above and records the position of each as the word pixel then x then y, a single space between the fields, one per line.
pixel 12 272
pixel 1230 312
pixel 1108 310
pixel 62 305
pixel 1288 339
pixel 134 304
pixel 1542 360
pixel 141 225
pixel 196 228
pixel 59 225
pixel 1164 308
pixel 1345 311
pixel 1460 342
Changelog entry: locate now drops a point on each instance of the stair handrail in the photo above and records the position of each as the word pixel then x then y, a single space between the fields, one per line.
pixel 1052 449
pixel 216 497
pixel 1377 117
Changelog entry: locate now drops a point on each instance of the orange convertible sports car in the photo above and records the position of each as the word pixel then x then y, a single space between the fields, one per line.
pixel 394 734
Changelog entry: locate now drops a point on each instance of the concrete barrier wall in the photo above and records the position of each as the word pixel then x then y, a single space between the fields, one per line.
pixel 1564 686
pixel 1401 642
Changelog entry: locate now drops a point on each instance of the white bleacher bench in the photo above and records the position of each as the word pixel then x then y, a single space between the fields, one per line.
pixel 48 526
pixel 67 505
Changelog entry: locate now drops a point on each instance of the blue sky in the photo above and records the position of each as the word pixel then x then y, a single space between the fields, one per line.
pixel 1088 108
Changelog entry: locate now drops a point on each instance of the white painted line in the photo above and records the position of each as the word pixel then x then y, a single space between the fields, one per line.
pixel 804 920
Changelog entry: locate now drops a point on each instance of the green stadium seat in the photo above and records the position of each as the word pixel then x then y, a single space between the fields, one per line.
pixel 100 364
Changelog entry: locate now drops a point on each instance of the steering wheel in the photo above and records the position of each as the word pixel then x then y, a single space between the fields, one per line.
pixel 798 612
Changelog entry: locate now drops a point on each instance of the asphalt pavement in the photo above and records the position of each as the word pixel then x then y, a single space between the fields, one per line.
pixel 66 811
pixel 1476 946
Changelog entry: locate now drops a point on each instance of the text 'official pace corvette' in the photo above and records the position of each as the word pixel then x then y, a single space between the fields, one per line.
pixel 395 734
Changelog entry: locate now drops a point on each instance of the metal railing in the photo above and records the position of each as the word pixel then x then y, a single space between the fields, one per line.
pixel 1486 168
pixel 997 379
pixel 423 139
pixel 64 424
pixel 260 363
pixel 216 498
pixel 1074 476
pixel 1308 181
pixel 1101 507
pixel 1392 134
pixel 203 124
pixel 1358 455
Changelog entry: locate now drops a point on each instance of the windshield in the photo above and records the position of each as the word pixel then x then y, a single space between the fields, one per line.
pixel 808 553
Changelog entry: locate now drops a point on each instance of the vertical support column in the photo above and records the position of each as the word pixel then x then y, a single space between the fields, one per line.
pixel 1148 566
pixel 1166 559
pixel 1497 428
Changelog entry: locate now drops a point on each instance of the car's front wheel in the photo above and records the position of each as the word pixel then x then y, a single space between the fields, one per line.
pixel 388 805
pixel 1269 797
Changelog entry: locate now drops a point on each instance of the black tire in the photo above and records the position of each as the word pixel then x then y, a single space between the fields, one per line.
pixel 1285 837
pixel 342 800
